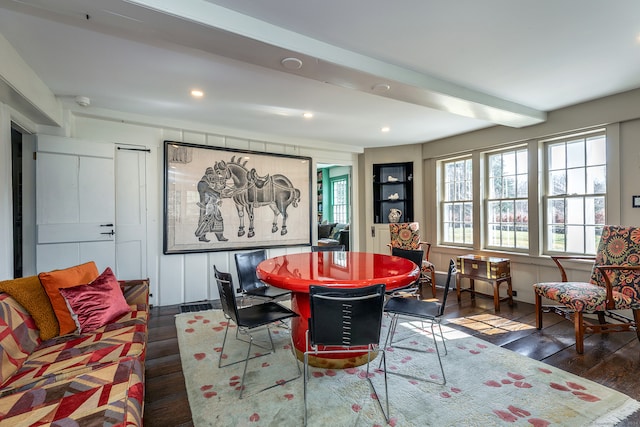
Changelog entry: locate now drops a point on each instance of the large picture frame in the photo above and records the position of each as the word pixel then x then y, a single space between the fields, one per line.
pixel 222 199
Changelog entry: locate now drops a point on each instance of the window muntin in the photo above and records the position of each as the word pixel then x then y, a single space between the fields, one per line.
pixel 507 204
pixel 576 193
pixel 339 199
pixel 457 202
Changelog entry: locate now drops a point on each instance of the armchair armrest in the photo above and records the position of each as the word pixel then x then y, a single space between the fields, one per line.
pixel 607 280
pixel 426 247
pixel 558 258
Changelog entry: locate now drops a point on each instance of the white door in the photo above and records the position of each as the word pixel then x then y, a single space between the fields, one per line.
pixel 75 194
pixel 131 212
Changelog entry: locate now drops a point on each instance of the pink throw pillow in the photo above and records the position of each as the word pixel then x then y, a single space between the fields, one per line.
pixel 96 304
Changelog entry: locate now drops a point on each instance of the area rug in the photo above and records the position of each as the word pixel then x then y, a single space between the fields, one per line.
pixel 486 385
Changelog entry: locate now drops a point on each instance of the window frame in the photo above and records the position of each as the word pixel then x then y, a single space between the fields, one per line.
pixel 547 195
pixel 487 199
pixel 536 191
pixel 443 202
pixel 332 181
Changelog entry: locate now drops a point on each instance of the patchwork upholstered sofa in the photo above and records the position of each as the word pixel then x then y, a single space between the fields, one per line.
pixel 92 375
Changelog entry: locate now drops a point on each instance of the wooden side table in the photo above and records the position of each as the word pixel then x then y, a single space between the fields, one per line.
pixel 487 269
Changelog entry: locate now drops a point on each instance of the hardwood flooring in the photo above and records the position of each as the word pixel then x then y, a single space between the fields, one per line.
pixel 612 360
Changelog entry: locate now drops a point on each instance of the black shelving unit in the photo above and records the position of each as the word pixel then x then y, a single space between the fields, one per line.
pixel 319 184
pixel 392 189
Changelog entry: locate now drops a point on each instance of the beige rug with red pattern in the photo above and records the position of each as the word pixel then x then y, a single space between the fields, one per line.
pixel 486 385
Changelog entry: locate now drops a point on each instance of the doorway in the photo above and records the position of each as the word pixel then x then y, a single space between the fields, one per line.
pixel 16 186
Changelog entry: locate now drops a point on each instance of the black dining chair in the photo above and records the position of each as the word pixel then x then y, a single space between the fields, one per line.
pixel 344 318
pixel 250 285
pixel 248 319
pixel 416 256
pixel 429 311
pixel 332 248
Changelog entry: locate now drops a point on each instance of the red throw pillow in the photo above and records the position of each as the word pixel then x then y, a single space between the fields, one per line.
pixel 96 304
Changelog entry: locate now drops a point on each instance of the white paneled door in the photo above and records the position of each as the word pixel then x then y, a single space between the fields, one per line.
pixel 131 212
pixel 75 197
pixel 90 206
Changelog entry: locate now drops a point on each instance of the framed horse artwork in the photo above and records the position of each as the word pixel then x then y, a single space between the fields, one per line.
pixel 222 199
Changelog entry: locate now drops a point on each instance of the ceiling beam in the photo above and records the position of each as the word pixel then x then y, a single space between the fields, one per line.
pixel 331 64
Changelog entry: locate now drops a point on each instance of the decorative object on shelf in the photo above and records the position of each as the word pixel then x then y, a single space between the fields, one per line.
pixel 392 179
pixel 394 215
pixel 393 196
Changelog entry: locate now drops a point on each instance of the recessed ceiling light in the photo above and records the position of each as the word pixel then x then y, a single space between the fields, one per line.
pixel 385 129
pixel 381 87
pixel 307 115
pixel 197 93
pixel 291 63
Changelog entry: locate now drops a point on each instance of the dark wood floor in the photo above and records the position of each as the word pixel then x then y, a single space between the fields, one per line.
pixel 612 360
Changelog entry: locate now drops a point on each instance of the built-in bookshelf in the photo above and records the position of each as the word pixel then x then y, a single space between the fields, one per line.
pixel 319 185
pixel 392 189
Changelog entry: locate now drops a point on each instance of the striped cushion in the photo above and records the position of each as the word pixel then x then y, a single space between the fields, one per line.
pixel 19 336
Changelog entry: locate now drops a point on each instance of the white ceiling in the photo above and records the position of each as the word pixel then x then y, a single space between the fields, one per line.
pixel 452 66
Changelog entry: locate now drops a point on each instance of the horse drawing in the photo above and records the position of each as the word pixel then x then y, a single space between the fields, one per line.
pixel 251 190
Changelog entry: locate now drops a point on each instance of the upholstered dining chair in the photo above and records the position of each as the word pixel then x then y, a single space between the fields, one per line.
pixel 250 285
pixel 429 311
pixel 343 320
pixel 406 235
pixel 329 248
pixel 248 319
pixel 614 285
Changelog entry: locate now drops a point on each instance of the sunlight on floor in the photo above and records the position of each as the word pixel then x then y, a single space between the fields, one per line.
pixel 490 324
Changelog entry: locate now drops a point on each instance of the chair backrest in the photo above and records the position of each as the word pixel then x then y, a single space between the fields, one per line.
pixel 405 235
pixel 345 316
pixel 227 297
pixel 619 245
pixel 415 255
pixel 246 264
pixel 332 248
pixel 451 275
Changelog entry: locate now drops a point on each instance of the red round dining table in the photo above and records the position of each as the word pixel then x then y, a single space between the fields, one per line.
pixel 296 272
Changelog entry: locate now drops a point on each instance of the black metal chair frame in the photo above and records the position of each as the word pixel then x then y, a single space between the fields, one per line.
pixel 330 248
pixel 249 284
pixel 248 319
pixel 344 318
pixel 429 311
pixel 416 256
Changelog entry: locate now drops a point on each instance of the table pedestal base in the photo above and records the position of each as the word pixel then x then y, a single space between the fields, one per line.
pixel 350 360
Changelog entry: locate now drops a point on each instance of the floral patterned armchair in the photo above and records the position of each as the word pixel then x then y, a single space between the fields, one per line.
pixel 614 285
pixel 406 235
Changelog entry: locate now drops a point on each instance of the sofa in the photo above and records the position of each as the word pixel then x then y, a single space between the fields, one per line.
pixel 333 234
pixel 91 376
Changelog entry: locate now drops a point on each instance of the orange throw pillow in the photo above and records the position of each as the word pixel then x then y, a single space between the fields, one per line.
pixel 66 278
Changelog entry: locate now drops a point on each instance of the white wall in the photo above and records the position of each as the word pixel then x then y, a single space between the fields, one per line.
pixel 185 277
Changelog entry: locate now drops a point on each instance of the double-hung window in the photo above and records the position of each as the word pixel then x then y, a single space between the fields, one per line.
pixel 457 202
pixel 340 199
pixel 563 214
pixel 576 185
pixel 507 204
